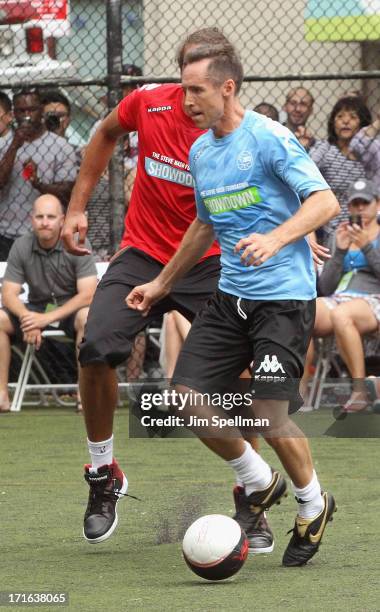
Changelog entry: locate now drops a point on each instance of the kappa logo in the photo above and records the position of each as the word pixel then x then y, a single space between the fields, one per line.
pixel 270 365
pixel 159 109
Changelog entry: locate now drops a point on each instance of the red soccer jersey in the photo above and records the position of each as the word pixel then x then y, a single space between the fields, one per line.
pixel 162 204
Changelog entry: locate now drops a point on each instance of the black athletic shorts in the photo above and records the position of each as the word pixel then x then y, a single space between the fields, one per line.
pixel 112 327
pixel 66 325
pixel 230 333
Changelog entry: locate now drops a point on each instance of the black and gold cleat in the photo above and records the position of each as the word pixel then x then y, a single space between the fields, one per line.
pixel 307 535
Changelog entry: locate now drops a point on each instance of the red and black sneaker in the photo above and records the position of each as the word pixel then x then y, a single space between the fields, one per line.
pixel 260 537
pixel 250 513
pixel 107 485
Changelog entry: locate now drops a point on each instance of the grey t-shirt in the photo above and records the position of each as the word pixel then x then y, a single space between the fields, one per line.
pixel 55 160
pixel 51 275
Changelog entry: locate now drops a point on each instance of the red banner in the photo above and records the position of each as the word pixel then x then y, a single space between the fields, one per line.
pixel 54 9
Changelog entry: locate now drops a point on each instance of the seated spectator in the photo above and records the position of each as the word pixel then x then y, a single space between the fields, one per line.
pixel 6 116
pixel 333 157
pixel 351 279
pixel 365 145
pixel 61 287
pixel 264 108
pixel 33 161
pixel 298 107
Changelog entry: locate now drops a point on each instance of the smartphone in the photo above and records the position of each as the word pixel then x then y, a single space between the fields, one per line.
pixel 357 219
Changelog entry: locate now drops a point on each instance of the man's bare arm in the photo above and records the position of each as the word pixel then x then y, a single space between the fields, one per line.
pixel 8 160
pixel 11 300
pixel 85 291
pixel 61 190
pixel 97 155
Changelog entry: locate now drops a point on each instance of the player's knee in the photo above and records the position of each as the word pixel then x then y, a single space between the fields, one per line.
pixel 96 350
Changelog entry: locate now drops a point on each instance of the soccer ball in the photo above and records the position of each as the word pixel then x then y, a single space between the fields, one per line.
pixel 215 547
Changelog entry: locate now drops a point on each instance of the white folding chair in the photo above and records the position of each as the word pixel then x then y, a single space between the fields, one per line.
pixel 27 362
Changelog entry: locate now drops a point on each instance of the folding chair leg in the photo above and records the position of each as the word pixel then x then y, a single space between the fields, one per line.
pixel 23 379
pixel 315 384
pixel 325 367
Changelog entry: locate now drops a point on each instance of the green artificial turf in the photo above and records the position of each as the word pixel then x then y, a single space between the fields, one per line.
pixel 43 497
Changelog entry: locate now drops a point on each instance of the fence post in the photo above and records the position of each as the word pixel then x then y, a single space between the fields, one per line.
pixel 116 166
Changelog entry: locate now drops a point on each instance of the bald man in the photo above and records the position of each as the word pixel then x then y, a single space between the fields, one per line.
pixel 61 287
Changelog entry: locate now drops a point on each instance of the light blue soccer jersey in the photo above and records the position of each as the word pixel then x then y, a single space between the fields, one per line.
pixel 253 180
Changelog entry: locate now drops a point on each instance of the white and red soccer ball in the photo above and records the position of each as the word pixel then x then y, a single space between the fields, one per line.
pixel 215 547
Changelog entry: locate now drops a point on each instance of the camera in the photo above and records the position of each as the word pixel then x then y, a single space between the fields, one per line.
pixel 357 219
pixel 52 121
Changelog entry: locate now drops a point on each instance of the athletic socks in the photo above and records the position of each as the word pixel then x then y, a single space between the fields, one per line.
pixel 310 501
pixel 101 452
pixel 251 470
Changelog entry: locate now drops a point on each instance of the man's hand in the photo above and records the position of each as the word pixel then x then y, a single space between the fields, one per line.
pixel 24 133
pixel 33 337
pixel 257 248
pixel 342 236
pixel 143 297
pixel 75 223
pixel 358 235
pixel 319 252
pixel 34 320
pixel 304 136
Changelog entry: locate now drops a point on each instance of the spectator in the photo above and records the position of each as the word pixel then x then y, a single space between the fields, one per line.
pixel 56 112
pixel 264 108
pixel 351 279
pixel 5 114
pixel 61 286
pixel 33 161
pixel 365 145
pixel 57 117
pixel 298 107
pixel 333 156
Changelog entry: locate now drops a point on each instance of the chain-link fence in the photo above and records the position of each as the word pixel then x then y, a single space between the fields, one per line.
pixel 299 58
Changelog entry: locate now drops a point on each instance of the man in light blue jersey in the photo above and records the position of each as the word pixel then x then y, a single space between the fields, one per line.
pixel 251 175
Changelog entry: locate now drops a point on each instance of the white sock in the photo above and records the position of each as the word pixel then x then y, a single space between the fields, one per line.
pixel 101 452
pixel 310 500
pixel 251 470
